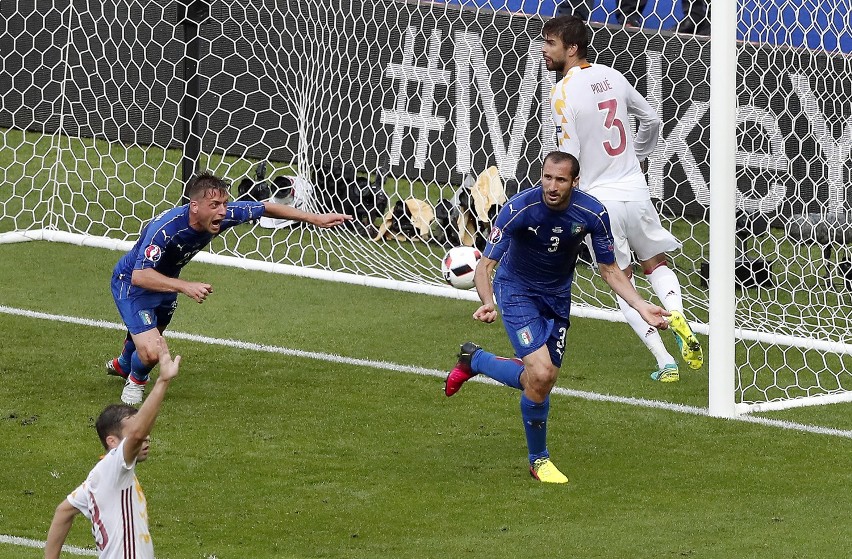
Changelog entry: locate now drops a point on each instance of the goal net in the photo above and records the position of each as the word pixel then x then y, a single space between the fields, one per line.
pixel 421 118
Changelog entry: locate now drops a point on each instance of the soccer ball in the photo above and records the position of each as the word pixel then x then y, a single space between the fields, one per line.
pixel 458 266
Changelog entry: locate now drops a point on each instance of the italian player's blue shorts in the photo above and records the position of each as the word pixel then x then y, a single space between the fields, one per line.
pixel 532 320
pixel 143 312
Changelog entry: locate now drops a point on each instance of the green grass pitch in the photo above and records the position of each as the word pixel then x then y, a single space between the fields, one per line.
pixel 261 455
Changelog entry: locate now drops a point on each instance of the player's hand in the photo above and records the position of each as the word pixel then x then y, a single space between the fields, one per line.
pixel 197 291
pixel 655 315
pixel 331 220
pixel 486 313
pixel 168 366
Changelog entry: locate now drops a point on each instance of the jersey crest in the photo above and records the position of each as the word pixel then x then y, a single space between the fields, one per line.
pixel 153 253
pixel 146 317
pixel 525 336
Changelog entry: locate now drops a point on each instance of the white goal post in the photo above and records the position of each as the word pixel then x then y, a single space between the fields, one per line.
pixel 420 118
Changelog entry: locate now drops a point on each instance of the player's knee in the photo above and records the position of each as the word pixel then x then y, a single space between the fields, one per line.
pixel 149 355
pixel 648 266
pixel 542 379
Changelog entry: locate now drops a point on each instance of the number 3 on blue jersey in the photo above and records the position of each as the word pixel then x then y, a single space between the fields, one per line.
pixel 560 345
pixel 554 244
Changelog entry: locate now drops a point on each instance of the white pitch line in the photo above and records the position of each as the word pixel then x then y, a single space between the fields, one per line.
pixel 26 542
pixel 388 366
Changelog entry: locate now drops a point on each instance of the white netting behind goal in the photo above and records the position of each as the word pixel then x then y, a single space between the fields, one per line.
pixel 420 118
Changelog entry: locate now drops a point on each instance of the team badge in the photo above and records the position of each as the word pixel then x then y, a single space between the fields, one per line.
pixel 525 336
pixel 146 318
pixel 153 253
pixel 495 236
pixel 576 229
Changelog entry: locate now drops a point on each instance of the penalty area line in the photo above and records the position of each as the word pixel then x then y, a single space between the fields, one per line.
pixel 388 366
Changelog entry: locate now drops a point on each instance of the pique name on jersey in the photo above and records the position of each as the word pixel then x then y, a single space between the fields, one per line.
pixel 601 86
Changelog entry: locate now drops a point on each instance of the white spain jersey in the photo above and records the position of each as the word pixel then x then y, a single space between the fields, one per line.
pixel 112 499
pixel 590 108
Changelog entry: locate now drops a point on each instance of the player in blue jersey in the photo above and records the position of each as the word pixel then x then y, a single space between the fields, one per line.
pixel 145 282
pixel 536 239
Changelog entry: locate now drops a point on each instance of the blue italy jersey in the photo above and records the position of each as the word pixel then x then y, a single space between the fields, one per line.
pixel 538 247
pixel 168 243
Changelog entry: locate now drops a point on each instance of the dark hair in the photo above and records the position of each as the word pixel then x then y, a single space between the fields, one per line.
pixel 201 184
pixel 561 157
pixel 109 422
pixel 572 30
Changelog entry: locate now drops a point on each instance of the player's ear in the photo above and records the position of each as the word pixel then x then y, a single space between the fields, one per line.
pixel 193 206
pixel 112 441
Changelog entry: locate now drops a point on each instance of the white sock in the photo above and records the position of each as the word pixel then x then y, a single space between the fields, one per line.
pixel 647 333
pixel 667 287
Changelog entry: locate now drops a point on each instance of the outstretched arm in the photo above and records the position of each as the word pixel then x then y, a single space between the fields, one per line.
pixel 63 518
pixel 139 426
pixel 283 211
pixel 617 280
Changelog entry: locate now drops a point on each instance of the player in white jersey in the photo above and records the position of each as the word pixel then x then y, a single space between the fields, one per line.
pixel 591 106
pixel 111 497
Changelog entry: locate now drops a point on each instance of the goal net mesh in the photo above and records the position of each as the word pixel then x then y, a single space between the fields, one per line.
pixel 420 119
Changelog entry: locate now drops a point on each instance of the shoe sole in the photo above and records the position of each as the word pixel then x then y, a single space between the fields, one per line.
pixel 690 348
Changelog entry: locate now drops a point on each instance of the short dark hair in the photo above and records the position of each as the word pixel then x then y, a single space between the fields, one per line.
pixel 109 422
pixel 572 30
pixel 561 157
pixel 201 184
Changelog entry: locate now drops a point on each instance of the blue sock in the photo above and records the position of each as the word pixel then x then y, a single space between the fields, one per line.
pixel 535 426
pixel 126 353
pixel 138 370
pixel 501 369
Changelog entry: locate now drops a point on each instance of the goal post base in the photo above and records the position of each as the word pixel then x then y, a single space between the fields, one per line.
pixel 20 236
pixel 778 405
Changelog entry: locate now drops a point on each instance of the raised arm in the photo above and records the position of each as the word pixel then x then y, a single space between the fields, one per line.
pixel 138 427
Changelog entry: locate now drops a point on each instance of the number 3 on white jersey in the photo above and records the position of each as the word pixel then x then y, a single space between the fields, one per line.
pixel 609 107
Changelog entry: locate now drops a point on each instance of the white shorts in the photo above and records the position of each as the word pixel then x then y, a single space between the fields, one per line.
pixel 636 228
